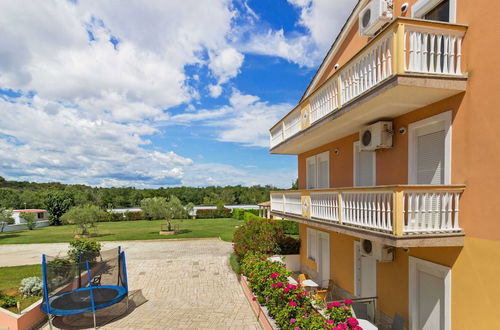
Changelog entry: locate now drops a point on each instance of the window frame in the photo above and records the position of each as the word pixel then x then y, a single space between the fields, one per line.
pixel 444 118
pixel 422 7
pixel 355 151
pixel 316 160
pixel 312 233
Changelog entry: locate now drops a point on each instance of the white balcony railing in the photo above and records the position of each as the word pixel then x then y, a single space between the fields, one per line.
pixel 406 46
pixel 401 210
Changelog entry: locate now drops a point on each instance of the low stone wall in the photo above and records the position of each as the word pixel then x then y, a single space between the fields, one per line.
pixel 30 318
pixel 262 316
pixel 22 226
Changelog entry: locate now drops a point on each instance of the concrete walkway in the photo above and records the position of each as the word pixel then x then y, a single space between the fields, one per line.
pixel 188 284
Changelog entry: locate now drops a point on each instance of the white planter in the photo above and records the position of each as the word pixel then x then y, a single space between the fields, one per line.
pixel 292 262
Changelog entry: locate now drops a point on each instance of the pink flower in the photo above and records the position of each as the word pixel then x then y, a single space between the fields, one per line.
pixel 296 328
pixel 292 320
pixel 273 285
pixel 330 322
pixel 346 308
pixel 331 305
pixel 279 284
pixel 286 290
pixel 267 298
pixel 254 298
pixel 274 275
pixel 342 326
pixel 293 303
pixel 264 280
pixel 306 315
pixel 352 322
pixel 348 302
pixel 357 328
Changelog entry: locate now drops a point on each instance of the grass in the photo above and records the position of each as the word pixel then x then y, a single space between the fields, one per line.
pixel 128 230
pixel 10 279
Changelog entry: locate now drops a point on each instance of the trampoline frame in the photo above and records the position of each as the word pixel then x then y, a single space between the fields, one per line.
pixel 45 307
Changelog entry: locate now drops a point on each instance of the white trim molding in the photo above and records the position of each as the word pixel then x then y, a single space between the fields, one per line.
pixel 440 271
pixel 444 120
pixel 422 7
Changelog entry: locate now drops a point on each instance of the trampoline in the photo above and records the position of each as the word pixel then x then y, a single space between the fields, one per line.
pixel 93 283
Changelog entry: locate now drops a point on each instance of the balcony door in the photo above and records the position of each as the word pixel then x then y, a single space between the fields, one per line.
pixel 318 171
pixel 429 150
pixel 364 167
pixel 365 274
pixel 435 10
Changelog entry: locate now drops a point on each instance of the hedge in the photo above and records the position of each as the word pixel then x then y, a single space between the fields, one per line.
pixel 240 213
pixel 289 227
pixel 213 214
pixel 127 216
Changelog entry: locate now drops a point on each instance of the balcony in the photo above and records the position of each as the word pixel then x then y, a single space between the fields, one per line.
pixel 400 216
pixel 410 64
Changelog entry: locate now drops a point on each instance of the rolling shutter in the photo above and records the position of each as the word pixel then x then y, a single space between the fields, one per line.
pixel 430 158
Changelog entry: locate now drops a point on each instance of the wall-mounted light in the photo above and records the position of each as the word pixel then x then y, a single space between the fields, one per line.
pixel 336 66
pixel 336 151
pixel 402 130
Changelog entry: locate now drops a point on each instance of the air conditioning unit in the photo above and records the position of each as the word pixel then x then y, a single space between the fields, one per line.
pixel 374 16
pixel 376 136
pixel 380 252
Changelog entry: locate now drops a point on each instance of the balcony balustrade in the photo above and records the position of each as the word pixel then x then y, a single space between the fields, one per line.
pixel 397 210
pixel 406 46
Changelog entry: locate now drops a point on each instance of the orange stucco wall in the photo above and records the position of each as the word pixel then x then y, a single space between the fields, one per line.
pixel 475 162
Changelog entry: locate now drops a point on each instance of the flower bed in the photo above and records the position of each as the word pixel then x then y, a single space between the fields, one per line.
pixel 289 305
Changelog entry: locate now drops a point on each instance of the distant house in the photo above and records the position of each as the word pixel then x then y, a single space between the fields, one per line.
pixel 41 214
pixel 125 210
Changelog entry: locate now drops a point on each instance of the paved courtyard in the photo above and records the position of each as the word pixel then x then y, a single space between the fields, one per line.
pixel 188 284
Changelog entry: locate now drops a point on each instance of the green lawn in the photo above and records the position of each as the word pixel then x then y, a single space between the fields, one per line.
pixel 10 279
pixel 128 230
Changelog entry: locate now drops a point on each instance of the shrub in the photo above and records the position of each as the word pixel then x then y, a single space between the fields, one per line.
pixel 84 217
pixel 7 301
pixel 213 213
pixel 250 216
pixel 289 245
pixel 30 219
pixel 31 286
pixel 238 214
pixel 340 312
pixel 84 249
pixel 289 227
pixel 154 208
pixel 60 269
pixel 235 263
pixel 136 215
pixel 257 236
pixel 114 217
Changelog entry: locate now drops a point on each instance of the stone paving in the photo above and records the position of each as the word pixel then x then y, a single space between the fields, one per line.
pixel 188 284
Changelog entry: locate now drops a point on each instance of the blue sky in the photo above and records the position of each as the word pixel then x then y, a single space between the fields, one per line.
pixel 155 93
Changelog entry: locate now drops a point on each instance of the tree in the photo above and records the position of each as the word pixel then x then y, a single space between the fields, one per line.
pixel 155 208
pixel 84 217
pixel 30 219
pixel 57 203
pixel 6 216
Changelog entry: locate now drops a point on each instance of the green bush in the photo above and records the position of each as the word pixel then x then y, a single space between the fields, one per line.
pixel 31 286
pixel 136 215
pixel 213 213
pixel 235 263
pixel 240 213
pixel 289 227
pixel 114 217
pixel 289 245
pixel 84 249
pixel 257 235
pixel 7 301
pixel 251 216
pixel 30 219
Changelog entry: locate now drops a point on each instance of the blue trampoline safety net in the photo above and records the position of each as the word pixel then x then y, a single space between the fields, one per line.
pixel 95 282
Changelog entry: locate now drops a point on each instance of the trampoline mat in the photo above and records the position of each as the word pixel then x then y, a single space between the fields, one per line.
pixel 80 299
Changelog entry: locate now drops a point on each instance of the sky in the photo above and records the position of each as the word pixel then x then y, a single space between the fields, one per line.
pixel 155 93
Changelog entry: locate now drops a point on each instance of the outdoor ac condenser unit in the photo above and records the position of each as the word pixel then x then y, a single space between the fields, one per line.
pixel 376 136
pixel 374 16
pixel 380 252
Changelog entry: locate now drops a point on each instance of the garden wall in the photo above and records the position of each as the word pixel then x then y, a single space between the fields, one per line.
pixel 28 319
pixel 22 226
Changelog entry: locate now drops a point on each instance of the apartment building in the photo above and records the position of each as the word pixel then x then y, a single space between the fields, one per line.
pixel 398 144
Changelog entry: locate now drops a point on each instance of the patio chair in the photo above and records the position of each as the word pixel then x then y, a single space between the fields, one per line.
pixel 320 295
pixel 398 323
pixel 302 278
pixel 330 289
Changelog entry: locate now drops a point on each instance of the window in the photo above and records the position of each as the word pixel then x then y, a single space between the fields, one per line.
pixel 318 169
pixel 312 244
pixel 435 10
pixel 429 150
pixel 364 167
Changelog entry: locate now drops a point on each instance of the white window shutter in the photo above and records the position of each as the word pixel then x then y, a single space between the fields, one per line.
pixel 430 158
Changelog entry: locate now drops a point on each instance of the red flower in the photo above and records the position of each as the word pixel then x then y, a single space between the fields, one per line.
pixel 352 322
pixel 254 298
pixel 348 302
pixel 293 303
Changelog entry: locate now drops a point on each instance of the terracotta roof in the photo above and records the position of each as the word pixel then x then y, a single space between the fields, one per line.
pixel 30 210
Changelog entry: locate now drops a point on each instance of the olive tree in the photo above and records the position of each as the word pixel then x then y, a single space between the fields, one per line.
pixel 84 217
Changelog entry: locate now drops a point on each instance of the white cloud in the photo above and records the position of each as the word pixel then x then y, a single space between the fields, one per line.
pixel 322 20
pixel 246 120
pixel 225 64
pixel 215 90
